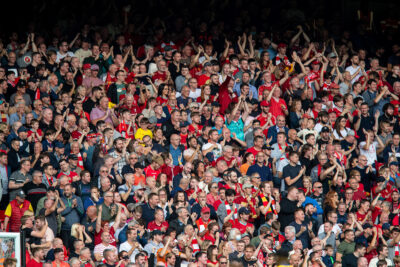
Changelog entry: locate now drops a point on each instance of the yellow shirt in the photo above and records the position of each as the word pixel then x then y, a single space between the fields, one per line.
pixel 140 133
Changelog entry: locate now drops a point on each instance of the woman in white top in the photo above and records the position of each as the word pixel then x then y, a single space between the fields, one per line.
pixel 340 131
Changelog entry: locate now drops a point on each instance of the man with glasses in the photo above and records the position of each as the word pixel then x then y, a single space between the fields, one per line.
pixel 109 209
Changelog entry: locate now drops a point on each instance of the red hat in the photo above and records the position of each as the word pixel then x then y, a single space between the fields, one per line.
pixel 282 45
pixel 264 103
pixel 86 66
pixel 316 62
pixel 205 210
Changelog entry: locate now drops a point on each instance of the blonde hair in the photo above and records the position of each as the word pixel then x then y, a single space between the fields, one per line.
pixel 74 230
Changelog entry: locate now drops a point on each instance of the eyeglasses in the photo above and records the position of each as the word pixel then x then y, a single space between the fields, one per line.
pixel 223 262
pixel 133 158
pixel 319 187
pixel 108 196
pixel 215 187
pixel 257 177
pixel 103 171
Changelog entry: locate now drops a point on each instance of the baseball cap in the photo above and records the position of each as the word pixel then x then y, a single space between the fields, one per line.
pixel 22 129
pixel 247 185
pixel 21 83
pixel 315 62
pixel 73 157
pixel 86 67
pixel 51 188
pixel 153 119
pixel 366 226
pixel 205 210
pixel 385 226
pixel 394 163
pixel 59 145
pixel 325 129
pixel 243 210
pixel 380 179
pixel 331 55
pixel 267 147
pixel 215 104
pixel 318 100
pixel 138 166
pixel 157 54
pixel 184 124
pixel 21 193
pixel 139 187
pixel 168 48
pixel 43 95
pixel 281 45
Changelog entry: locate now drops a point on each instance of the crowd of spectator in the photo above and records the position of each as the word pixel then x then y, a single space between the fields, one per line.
pixel 198 149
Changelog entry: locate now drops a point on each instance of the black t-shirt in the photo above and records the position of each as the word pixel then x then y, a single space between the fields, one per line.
pixel 349 260
pixel 247 263
pixel 88 105
pixel 292 171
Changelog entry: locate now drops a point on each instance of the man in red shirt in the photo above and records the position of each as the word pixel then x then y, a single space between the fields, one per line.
pixel 154 168
pixel 241 223
pixel 258 144
pixel 207 74
pixel 38 257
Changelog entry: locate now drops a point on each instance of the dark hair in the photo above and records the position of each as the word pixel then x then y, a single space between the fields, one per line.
pixel 230 192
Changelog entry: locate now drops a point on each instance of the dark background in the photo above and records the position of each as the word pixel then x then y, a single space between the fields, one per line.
pixel 65 18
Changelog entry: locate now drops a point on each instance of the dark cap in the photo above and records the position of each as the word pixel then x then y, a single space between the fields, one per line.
pixel 385 226
pixel 215 104
pixel 21 193
pixel 380 179
pixel 366 226
pixel 22 129
pixel 168 48
pixel 394 163
pixel 73 157
pixel 43 95
pixel 243 210
pixel 59 145
pixel 21 83
pixel 214 62
pixel 157 54
pixel 267 147
pixel 138 166
pixel 207 64
pixel 318 100
pixel 51 188
pixel 184 124
pixel 325 129
pixel 281 45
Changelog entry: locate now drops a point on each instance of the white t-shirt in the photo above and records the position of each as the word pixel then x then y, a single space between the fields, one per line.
pixel 342 132
pixel 216 151
pixel 127 247
pixel 195 94
pixel 353 70
pixel 370 153
pixel 59 56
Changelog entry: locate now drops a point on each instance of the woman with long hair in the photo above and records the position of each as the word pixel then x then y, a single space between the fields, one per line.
pixel 340 131
pixel 212 255
pixel 296 112
pixel 331 201
pixel 163 92
pixel 205 97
